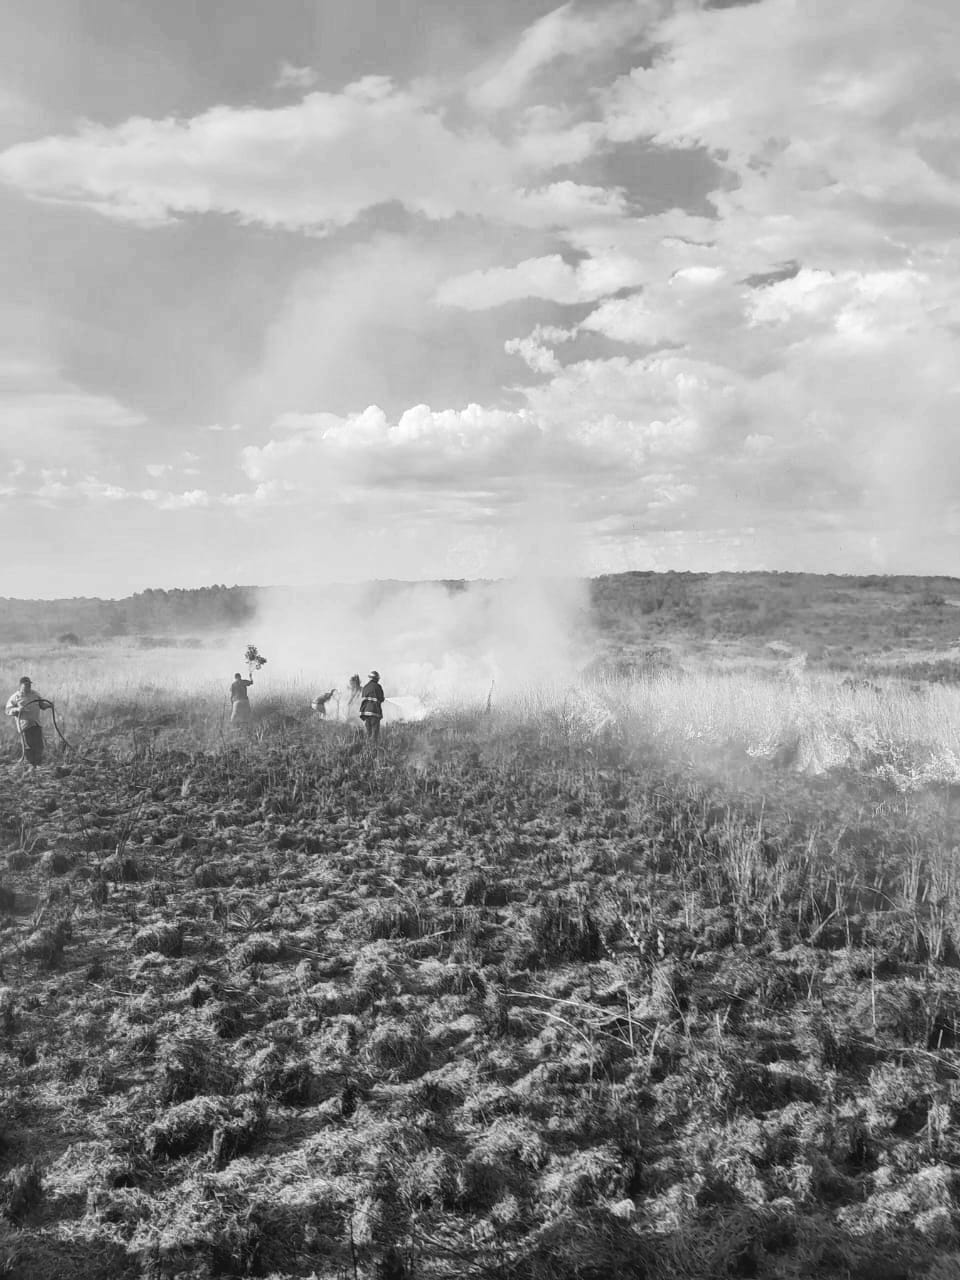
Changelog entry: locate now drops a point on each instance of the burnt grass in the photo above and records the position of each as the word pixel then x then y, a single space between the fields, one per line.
pixel 485 1002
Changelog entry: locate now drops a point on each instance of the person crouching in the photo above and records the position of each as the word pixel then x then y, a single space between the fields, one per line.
pixel 320 703
pixel 371 705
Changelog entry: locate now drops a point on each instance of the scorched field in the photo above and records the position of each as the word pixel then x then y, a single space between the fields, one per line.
pixel 497 999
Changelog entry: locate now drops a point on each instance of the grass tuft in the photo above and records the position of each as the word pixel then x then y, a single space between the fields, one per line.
pixel 21 1191
pixel 163 938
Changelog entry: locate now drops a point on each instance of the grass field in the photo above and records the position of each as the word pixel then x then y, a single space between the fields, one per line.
pixel 650 978
pixel 769 707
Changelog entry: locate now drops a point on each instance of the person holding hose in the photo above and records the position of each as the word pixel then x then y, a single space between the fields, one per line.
pixel 25 705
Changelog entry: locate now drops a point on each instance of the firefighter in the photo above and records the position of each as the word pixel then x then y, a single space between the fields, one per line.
pixel 371 705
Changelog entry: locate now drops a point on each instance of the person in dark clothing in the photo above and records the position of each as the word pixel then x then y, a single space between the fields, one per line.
pixel 371 705
pixel 239 702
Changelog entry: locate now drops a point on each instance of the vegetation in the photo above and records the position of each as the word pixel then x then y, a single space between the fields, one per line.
pixel 653 974
pixel 516 994
pixel 837 619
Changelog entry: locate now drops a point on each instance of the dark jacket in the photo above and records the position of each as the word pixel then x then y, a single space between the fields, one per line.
pixel 238 690
pixel 371 696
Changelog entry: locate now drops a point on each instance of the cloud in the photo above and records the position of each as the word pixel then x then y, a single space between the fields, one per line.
pixel 191 498
pixel 293 77
pixel 591 437
pixel 761 371
pixel 438 455
pixel 56 487
pixel 833 122
pixel 551 278
pixel 567 34
pixel 317 164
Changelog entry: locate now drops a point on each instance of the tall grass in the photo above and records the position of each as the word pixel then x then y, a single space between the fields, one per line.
pixel 813 722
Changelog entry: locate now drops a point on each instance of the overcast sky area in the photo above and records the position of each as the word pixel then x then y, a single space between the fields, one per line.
pixel 309 291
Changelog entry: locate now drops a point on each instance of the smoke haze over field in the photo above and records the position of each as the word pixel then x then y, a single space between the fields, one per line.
pixel 428 640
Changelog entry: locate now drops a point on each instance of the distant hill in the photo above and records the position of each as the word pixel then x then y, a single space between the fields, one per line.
pixel 149 612
pixel 828 615
pixel 836 619
pixel 161 613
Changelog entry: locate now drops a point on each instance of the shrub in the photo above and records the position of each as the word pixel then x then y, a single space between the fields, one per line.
pixel 259 948
pixel 397 1047
pixel 164 938
pixel 394 920
pixel 191 1062
pixel 211 875
pixel 228 1125
pixel 292 1083
pixel 587 1245
pixel 563 932
pixel 55 862
pixel 119 869
pixel 46 943
pixel 21 1191
pixel 583 1177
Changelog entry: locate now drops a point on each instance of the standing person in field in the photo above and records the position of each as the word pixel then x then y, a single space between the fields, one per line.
pixel 26 704
pixel 239 702
pixel 371 705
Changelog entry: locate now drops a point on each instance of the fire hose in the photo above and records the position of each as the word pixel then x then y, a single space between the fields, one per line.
pixel 20 728
pixel 53 715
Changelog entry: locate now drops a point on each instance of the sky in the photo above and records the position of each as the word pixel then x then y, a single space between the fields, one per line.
pixel 301 291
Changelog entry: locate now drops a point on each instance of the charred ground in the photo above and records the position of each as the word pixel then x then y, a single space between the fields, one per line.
pixel 502 1000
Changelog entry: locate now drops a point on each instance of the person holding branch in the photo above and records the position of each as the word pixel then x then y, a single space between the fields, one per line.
pixel 239 702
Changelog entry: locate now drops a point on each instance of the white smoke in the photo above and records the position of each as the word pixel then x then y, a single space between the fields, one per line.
pixel 433 644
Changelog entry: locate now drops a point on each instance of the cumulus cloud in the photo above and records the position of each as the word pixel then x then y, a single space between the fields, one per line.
pixel 537 349
pixel 833 120
pixel 599 435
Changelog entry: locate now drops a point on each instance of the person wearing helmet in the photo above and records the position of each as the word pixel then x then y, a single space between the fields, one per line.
pixel 25 705
pixel 371 705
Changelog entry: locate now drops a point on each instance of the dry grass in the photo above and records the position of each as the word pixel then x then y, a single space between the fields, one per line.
pixel 815 722
pixel 523 993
